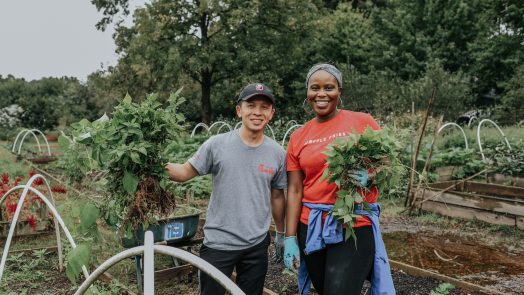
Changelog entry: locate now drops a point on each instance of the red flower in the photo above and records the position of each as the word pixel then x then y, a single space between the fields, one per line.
pixel 11 207
pixel 38 181
pixel 17 180
pixel 32 221
pixel 5 178
pixel 31 173
pixel 58 189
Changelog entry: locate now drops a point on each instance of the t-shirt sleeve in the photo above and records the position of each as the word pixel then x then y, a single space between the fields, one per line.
pixel 372 123
pixel 279 180
pixel 202 160
pixel 292 161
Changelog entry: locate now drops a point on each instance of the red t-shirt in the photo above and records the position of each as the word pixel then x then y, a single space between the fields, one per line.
pixel 305 153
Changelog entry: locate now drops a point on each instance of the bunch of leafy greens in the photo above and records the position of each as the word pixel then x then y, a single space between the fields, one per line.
pixel 377 151
pixel 132 148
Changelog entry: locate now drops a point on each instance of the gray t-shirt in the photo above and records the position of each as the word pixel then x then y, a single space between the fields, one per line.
pixel 239 211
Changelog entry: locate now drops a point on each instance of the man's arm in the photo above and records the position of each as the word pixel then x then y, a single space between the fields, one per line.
pixel 278 208
pixel 181 172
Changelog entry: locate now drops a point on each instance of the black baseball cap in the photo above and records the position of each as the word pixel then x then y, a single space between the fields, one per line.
pixel 256 89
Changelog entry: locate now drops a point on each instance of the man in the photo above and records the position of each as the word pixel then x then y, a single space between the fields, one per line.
pixel 249 176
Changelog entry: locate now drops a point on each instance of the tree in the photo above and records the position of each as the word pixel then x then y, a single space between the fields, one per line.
pixel 500 50
pixel 208 42
pixel 512 101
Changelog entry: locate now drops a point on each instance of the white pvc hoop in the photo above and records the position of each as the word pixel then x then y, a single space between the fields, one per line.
pixel 26 188
pixel 149 249
pixel 473 118
pixel 478 136
pixel 18 136
pixel 199 125
pixel 285 134
pixel 216 124
pixel 271 130
pixel 221 126
pixel 291 122
pixel 26 132
pixel 237 125
pixel 458 126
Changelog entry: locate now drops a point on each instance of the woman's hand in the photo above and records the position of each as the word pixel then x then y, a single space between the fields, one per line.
pixel 291 254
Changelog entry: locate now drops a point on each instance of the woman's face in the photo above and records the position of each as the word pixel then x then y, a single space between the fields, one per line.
pixel 323 94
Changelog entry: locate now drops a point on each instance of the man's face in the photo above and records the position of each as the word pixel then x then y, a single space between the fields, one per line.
pixel 255 113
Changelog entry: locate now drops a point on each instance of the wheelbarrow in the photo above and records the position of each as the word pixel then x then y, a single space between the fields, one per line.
pixel 176 231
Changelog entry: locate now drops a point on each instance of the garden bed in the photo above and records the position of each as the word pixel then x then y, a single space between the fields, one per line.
pixel 497 204
pixel 36 272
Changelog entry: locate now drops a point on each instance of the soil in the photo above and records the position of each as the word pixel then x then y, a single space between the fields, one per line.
pixel 474 252
pixel 281 282
pixel 29 273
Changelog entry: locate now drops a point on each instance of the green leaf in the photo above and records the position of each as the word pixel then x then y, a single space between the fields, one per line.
pixel 77 257
pixel 63 142
pixel 88 215
pixel 130 182
pixel 135 157
pixel 127 98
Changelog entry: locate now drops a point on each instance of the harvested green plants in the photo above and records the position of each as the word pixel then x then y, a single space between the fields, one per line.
pixel 131 147
pixel 376 151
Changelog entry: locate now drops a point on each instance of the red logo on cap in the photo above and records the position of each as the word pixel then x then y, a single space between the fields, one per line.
pixel 259 87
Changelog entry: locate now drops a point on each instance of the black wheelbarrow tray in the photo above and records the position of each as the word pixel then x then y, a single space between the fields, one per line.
pixel 181 226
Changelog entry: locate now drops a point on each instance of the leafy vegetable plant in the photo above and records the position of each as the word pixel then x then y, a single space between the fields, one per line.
pixel 132 148
pixel 376 151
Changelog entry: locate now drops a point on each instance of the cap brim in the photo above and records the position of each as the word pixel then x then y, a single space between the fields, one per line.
pixel 271 98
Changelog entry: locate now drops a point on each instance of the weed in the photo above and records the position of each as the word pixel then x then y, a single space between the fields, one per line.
pixel 442 289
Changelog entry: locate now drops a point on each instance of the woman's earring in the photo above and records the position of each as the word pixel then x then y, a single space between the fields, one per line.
pixel 341 102
pixel 306 109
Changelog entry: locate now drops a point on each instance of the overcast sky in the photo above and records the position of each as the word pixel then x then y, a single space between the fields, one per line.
pixel 53 38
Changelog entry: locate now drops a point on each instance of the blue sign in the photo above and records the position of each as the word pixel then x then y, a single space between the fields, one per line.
pixel 174 231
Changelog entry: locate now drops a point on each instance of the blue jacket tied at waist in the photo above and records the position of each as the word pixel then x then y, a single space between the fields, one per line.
pixel 319 236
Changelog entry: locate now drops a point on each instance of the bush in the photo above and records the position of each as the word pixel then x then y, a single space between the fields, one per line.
pixel 39 112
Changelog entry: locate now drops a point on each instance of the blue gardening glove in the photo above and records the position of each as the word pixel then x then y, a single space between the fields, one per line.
pixel 361 177
pixel 291 254
pixel 279 246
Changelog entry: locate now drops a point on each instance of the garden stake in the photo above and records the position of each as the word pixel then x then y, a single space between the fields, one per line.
pixel 427 163
pixel 415 156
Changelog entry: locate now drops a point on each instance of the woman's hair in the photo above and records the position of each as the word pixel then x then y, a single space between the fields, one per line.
pixel 328 68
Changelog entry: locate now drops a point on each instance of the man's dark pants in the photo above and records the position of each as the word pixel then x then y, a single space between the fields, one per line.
pixel 251 268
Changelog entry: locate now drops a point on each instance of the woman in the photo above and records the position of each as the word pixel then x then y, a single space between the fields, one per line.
pixel 333 265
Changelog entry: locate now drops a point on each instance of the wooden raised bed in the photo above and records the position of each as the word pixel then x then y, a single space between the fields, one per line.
pixel 493 203
pixel 498 178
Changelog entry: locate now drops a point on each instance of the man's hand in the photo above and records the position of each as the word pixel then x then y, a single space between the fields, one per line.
pixel 291 254
pixel 279 246
pixel 361 177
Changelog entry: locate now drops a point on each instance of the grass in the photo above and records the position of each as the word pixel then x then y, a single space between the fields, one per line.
pixel 489 135
pixel 9 163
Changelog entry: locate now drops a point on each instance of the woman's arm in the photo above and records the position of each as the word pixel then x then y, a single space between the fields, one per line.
pixel 294 201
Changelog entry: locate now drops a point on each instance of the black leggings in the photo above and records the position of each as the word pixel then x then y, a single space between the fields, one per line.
pixel 340 268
